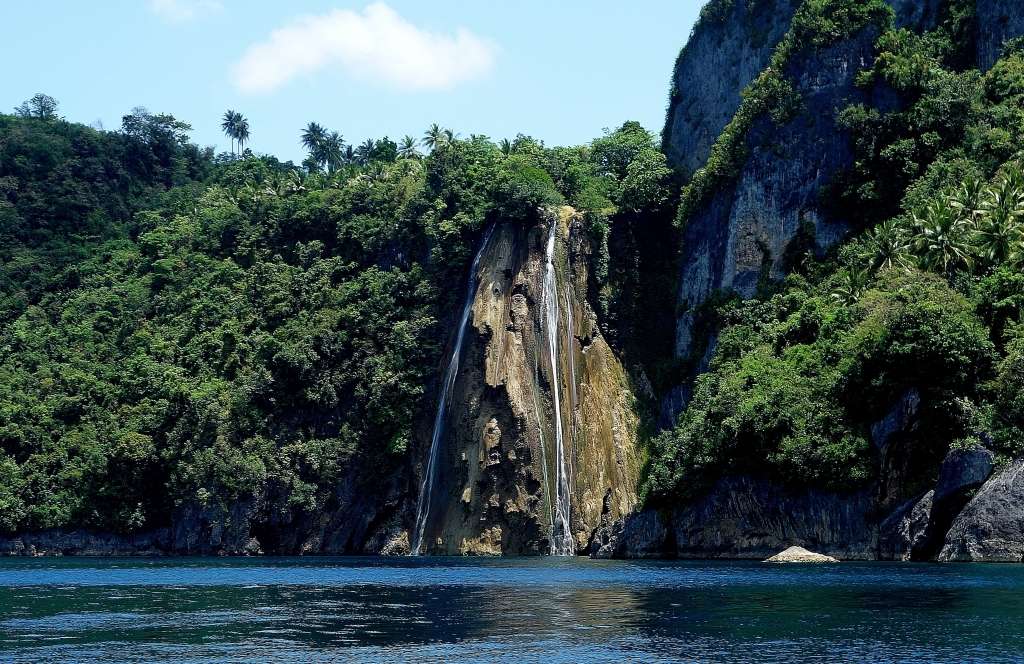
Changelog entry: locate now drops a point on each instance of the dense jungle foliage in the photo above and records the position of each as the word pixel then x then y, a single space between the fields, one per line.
pixel 177 326
pixel 927 297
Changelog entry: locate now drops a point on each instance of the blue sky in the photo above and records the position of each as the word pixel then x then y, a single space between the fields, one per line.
pixel 559 70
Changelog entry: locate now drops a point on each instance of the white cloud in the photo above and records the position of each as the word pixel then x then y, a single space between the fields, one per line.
pixel 376 45
pixel 182 11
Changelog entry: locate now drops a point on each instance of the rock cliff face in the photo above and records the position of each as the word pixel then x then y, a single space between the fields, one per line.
pixel 727 50
pixel 497 473
pixel 991 527
pixel 741 235
pixel 998 21
pixel 753 518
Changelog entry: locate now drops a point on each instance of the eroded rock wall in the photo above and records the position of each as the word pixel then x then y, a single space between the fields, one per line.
pixel 496 478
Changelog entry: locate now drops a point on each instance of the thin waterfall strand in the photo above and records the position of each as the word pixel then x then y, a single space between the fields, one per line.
pixel 448 384
pixel 561 539
pixel 543 453
pixel 570 338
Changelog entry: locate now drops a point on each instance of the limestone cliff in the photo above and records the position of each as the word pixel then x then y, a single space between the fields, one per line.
pixel 743 232
pixel 496 481
pixel 729 47
pixel 998 21
pixel 739 236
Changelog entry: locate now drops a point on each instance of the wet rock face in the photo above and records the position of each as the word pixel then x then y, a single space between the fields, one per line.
pixel 991 527
pixel 722 57
pixel 496 481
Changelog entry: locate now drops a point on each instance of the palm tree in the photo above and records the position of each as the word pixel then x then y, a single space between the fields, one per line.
pixel 313 137
pixel 505 146
pixel 945 235
pixel 333 151
pixel 350 154
pixel 852 283
pixel 365 151
pixel 229 124
pixel 1000 229
pixel 969 197
pixel 241 132
pixel 407 148
pixel 434 137
pixel 889 246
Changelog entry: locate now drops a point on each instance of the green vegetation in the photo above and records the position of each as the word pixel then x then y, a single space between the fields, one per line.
pixel 179 328
pixel 928 297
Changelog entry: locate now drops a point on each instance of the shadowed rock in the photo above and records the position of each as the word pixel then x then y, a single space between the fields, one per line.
pixel 991 527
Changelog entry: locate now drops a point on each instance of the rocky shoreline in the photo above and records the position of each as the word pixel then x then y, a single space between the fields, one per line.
pixel 973 514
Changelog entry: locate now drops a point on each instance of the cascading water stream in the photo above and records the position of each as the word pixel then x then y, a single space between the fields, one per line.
pixel 562 543
pixel 570 352
pixel 447 385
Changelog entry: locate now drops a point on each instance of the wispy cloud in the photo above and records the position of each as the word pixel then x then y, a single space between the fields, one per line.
pixel 182 11
pixel 376 45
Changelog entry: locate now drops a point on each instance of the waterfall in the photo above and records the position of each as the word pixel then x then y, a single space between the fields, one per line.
pixel 562 543
pixel 447 385
pixel 570 351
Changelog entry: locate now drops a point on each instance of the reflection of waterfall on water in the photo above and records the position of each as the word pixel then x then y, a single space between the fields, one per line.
pixel 447 385
pixel 561 538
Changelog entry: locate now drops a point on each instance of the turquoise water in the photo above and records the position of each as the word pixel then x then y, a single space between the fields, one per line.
pixel 550 610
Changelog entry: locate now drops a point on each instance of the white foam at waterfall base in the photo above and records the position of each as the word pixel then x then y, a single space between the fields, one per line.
pixel 447 386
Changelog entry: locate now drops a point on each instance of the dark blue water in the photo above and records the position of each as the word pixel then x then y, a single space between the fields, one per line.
pixel 550 610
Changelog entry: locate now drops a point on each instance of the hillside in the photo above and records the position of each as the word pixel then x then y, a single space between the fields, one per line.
pixel 796 320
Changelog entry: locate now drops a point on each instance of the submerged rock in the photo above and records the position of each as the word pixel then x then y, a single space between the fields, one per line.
pixel 798 554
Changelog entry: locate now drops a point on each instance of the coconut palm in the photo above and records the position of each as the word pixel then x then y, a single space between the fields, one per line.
pixel 230 124
pixel 313 137
pixel 241 132
pixel 1001 220
pixel 333 151
pixel 852 284
pixel 889 246
pixel 945 237
pixel 407 148
pixel 365 152
pixel 505 146
pixel 434 137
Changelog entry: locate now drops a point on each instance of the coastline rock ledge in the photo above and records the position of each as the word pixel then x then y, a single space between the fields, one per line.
pixel 798 554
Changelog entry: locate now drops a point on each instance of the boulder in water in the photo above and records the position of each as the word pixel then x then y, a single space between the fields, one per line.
pixel 798 554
